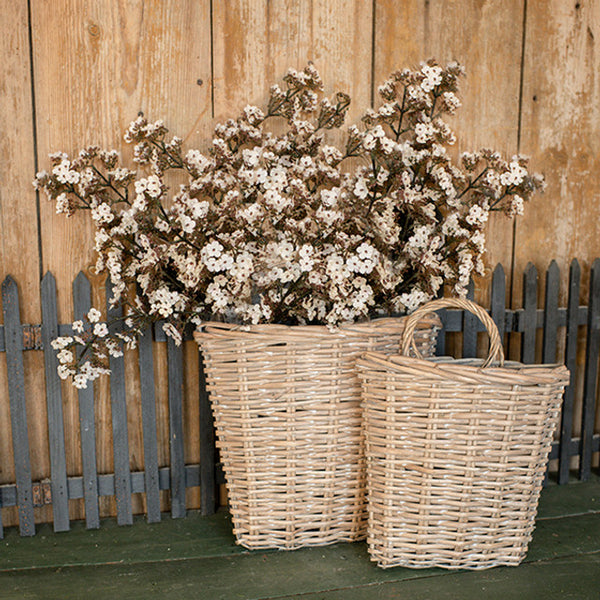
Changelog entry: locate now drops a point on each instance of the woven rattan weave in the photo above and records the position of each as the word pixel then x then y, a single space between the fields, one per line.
pixel 456 452
pixel 286 404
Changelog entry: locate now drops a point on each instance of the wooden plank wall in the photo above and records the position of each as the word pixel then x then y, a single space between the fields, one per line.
pixel 75 72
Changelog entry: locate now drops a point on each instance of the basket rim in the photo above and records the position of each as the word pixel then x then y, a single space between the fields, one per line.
pixel 379 326
pixel 465 370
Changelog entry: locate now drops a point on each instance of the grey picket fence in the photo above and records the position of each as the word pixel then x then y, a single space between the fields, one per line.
pixel 15 339
pixel 533 333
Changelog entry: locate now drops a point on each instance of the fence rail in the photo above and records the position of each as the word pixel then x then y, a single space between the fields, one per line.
pixel 549 334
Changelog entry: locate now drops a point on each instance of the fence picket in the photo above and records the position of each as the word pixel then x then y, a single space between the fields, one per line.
pixel 13 339
pixel 591 373
pixel 118 403
pixel 470 326
pixel 566 426
pixel 56 432
pixel 148 401
pixel 551 313
pixel 529 314
pixel 440 346
pixel 82 302
pixel 208 484
pixel 175 376
pixel 498 299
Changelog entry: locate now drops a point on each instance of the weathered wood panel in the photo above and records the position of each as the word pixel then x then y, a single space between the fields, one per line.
pixel 18 216
pixel 19 254
pixel 560 130
pixel 256 41
pixel 484 36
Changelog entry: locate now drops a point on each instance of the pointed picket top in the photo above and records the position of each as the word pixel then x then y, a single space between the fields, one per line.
pixel 48 279
pixel 531 270
pixel 13 336
pixel 9 283
pixel 574 272
pixel 82 287
pixel 48 293
pixel 10 298
pixel 553 267
pixel 595 278
pixel 81 279
pixel 498 273
pixel 530 278
pixel 12 316
pixel 551 313
pixel 553 279
pixel 82 295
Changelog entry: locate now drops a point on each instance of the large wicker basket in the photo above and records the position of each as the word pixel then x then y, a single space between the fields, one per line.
pixel 286 404
pixel 456 452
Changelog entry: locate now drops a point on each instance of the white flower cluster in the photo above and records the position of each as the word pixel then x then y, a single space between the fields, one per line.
pixel 273 226
pixel 86 368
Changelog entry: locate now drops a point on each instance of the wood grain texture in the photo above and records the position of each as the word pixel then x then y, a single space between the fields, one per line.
pixel 256 41
pixel 19 232
pixel 561 132
pixel 97 65
pixel 18 216
pixel 484 36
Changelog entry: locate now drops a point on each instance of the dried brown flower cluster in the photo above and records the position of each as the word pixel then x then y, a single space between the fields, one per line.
pixel 277 227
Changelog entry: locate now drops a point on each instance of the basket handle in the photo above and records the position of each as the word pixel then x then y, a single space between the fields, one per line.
pixel 408 341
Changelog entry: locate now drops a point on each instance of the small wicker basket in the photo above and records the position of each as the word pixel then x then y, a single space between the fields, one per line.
pixel 456 452
pixel 286 404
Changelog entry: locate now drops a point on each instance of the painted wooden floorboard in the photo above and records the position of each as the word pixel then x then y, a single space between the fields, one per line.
pixel 304 575
pixel 197 558
pixel 563 544
pixel 574 578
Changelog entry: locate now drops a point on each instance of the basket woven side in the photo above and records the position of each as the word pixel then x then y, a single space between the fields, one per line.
pixel 456 458
pixel 286 403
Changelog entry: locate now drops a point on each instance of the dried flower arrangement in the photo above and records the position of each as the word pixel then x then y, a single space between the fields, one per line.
pixel 279 227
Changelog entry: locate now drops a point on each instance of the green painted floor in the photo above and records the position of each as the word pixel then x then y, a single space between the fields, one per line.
pixel 197 558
